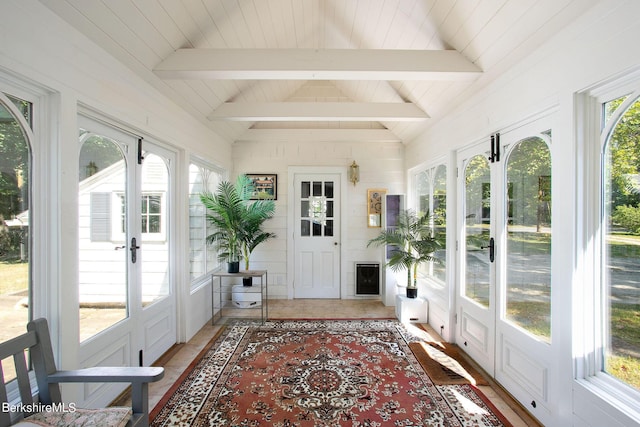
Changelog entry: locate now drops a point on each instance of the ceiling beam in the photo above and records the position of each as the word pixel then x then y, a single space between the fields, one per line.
pixel 319 111
pixel 316 64
pixel 318 135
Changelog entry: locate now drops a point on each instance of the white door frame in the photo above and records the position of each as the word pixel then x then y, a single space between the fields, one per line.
pixel 291 205
pixel 523 364
pixel 153 327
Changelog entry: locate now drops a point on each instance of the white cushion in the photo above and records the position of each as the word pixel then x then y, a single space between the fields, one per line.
pixel 114 416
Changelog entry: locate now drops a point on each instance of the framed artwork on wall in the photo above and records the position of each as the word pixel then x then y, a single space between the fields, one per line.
pixel 374 206
pixel 265 185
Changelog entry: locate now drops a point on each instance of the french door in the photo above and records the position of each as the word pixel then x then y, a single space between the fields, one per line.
pixel 317 235
pixel 126 292
pixel 504 290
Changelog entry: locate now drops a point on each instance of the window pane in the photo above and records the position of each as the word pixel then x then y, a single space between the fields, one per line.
pixel 438 210
pixel 102 262
pixel 328 189
pixel 621 260
pixel 328 229
pixel 317 229
pixel 202 257
pixel 305 189
pixel 317 188
pixel 529 237
pixel 423 192
pixel 14 235
pixel 477 204
pixel 431 197
pixel 154 250
pixel 305 227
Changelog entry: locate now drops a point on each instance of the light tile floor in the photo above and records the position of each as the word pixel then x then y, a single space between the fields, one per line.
pixel 179 358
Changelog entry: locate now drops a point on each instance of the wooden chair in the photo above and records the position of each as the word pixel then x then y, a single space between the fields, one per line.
pixel 38 341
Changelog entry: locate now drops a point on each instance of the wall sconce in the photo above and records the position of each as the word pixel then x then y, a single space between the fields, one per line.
pixel 354 173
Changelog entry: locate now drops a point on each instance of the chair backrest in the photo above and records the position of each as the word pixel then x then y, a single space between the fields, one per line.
pixel 36 344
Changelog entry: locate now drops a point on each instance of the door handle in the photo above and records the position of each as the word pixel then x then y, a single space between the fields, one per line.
pixel 492 249
pixel 134 249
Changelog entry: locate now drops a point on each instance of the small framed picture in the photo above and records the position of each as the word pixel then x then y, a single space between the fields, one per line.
pixel 374 206
pixel 265 186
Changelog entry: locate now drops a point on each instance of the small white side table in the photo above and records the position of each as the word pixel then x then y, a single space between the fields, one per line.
pixel 412 309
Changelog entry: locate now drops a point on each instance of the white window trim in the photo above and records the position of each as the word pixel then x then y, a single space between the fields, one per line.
pixel 588 300
pixel 44 215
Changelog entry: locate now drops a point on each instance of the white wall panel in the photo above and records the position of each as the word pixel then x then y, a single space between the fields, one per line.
pixel 381 166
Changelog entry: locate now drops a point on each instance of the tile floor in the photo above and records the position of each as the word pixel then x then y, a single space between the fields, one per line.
pixel 179 358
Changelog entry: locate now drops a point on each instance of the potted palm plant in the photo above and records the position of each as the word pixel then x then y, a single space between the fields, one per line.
pixel 252 233
pixel 237 222
pixel 412 244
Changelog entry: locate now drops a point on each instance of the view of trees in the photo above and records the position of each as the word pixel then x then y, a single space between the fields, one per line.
pixel 14 180
pixel 622 215
pixel 623 152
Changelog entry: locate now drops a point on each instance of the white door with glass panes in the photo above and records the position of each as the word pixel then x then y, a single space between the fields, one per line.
pixel 317 236
pixel 126 293
pixel 504 298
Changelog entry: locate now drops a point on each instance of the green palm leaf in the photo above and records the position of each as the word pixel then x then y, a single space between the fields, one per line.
pixel 412 243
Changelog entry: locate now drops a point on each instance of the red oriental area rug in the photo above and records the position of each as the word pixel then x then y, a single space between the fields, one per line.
pixel 317 373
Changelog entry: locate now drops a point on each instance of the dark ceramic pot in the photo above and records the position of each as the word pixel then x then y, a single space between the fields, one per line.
pixel 233 267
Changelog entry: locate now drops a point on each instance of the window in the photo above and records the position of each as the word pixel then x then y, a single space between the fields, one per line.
pixel 202 257
pixel 431 198
pixel 151 213
pixel 620 258
pixel 528 225
pixel 15 241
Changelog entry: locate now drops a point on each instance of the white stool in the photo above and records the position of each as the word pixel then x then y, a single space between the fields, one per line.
pixel 412 309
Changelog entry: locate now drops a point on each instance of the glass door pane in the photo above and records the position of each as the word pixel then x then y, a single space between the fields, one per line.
pixel 317 208
pixel 154 245
pixel 14 216
pixel 477 229
pixel 528 223
pixel 103 252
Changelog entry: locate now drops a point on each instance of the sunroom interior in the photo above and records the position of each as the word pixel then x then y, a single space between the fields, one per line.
pixel 514 123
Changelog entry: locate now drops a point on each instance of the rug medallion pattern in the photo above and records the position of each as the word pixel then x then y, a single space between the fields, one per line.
pixel 317 373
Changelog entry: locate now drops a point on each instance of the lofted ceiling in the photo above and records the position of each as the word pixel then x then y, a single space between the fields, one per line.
pixel 318 70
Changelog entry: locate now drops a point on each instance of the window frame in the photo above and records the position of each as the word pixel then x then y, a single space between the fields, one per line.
pixel 590 302
pixel 44 218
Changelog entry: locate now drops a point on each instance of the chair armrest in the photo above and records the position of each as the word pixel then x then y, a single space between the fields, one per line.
pixel 108 375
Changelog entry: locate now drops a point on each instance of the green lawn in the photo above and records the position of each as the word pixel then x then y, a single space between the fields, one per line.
pixel 14 277
pixel 625 320
pixel 531 315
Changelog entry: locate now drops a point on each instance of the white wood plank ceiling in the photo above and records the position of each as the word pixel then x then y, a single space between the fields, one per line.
pixel 318 69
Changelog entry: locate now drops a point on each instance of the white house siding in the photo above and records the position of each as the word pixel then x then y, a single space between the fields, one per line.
pixel 103 268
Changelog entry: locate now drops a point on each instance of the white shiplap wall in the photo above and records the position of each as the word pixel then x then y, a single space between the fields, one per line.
pixel 381 166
